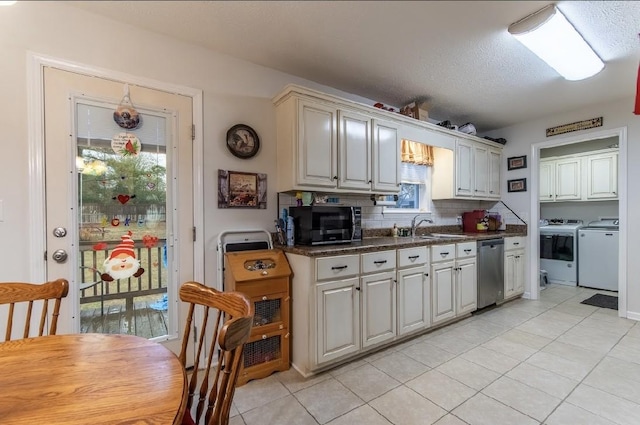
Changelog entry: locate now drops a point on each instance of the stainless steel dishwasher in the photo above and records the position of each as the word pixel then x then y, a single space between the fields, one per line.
pixel 490 272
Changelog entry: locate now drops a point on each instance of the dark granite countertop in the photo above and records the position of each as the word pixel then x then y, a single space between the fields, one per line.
pixel 372 244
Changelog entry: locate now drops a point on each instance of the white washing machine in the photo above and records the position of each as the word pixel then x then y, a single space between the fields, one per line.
pixel 559 250
pixel 598 254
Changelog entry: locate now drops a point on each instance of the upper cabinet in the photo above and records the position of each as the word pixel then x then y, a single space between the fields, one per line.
pixel 584 177
pixel 325 143
pixel 473 172
pixel 328 146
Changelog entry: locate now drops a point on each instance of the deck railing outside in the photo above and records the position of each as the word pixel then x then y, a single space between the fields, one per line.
pixel 130 294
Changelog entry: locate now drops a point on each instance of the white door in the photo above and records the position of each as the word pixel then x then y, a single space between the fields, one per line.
pixel 120 197
pixel 354 161
pixel 568 179
pixel 317 145
pixel 414 299
pixel 464 168
pixel 481 171
pixel 467 286
pixel 386 156
pixel 443 296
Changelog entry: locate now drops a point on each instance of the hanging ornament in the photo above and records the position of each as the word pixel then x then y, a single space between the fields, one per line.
pixel 150 241
pixel 115 222
pixel 100 246
pixel 123 199
pixel 151 186
pixel 126 144
pixel 125 114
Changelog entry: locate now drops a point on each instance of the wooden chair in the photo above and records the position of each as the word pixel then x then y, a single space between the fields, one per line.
pixel 231 330
pixel 13 293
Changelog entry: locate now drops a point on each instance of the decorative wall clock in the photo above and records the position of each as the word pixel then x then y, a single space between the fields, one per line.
pixel 243 141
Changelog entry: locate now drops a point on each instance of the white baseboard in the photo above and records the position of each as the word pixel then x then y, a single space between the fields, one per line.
pixel 633 315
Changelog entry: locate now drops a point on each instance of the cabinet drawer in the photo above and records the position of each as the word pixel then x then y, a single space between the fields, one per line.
pixel 466 249
pixel 443 252
pixel 378 261
pixel 337 267
pixel 412 256
pixel 514 242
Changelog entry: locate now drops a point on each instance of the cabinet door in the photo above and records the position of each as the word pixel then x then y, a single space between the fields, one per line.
pixel 495 171
pixel 338 313
pixel 317 145
pixel 568 179
pixel 509 274
pixel 443 300
pixel 414 299
pixel 547 181
pixel 518 274
pixel 386 157
pixel 480 171
pixel 354 160
pixel 602 176
pixel 378 308
pixel 467 286
pixel 464 168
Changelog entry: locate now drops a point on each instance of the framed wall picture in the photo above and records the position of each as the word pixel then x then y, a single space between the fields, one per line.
pixel 516 162
pixel 517 185
pixel 242 190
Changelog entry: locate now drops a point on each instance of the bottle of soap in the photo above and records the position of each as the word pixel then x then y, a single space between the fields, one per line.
pixel 394 231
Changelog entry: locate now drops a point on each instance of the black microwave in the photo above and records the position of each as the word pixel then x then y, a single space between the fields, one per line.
pixel 323 225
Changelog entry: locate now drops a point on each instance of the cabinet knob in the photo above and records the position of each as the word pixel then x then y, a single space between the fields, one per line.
pixel 335 177
pixel 426 274
pixel 370 181
pixel 264 337
pixel 357 288
pixel 264 298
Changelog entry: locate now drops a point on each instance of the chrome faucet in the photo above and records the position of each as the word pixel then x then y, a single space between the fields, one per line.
pixel 414 226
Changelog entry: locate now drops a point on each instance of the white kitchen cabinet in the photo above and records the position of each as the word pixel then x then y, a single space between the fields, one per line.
pixel 338 323
pixel 495 173
pixel 602 176
pixel 317 145
pixel 354 140
pixel 514 262
pixel 386 157
pixel 547 180
pixel 472 171
pixel 466 286
pixel 562 177
pixel 378 295
pixel 568 179
pixel 414 290
pixel 464 168
pixel 331 146
pixel 453 280
pixel 443 296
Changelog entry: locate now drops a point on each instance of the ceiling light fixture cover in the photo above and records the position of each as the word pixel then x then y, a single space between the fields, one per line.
pixel 548 34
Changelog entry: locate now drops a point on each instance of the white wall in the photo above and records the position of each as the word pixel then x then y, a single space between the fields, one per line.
pixel 234 92
pixel 615 115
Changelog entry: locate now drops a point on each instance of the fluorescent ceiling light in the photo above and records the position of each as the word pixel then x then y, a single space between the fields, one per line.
pixel 7 3
pixel 548 34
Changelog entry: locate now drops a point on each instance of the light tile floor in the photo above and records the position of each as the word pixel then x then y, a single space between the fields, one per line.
pixel 552 361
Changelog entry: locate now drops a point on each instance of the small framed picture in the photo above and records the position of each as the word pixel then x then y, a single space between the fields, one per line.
pixel 242 190
pixel 517 185
pixel 516 162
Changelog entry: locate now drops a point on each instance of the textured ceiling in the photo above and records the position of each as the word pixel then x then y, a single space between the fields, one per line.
pixel 455 55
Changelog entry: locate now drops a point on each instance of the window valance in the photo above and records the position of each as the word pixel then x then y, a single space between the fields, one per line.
pixel 416 153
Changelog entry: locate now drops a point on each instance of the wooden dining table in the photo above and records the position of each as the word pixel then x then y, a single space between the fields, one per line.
pixel 90 379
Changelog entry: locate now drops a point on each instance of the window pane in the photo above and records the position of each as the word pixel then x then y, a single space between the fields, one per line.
pixel 408 196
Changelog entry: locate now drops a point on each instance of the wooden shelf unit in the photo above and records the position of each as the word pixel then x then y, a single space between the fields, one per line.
pixel 267 350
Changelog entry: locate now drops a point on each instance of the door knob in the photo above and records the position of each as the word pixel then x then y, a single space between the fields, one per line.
pixel 60 256
pixel 59 232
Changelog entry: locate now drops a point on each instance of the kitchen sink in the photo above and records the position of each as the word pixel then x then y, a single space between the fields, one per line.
pixel 442 236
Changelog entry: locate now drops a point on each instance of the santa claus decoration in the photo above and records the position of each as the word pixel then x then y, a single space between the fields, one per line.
pixel 122 262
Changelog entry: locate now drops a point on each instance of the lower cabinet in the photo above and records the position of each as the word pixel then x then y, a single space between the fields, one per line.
pixel 454 281
pixel 378 295
pixel 348 304
pixel 338 324
pixel 414 290
pixel 514 262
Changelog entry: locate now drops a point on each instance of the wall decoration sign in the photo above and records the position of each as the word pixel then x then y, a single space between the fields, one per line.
pixel 574 126
pixel 122 262
pixel 517 185
pixel 125 114
pixel 126 144
pixel 516 162
pixel 242 190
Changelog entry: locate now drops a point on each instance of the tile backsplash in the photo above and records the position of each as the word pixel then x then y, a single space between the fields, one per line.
pixel 443 213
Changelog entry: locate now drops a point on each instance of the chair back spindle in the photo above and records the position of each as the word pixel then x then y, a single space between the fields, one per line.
pixel 28 294
pixel 226 338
